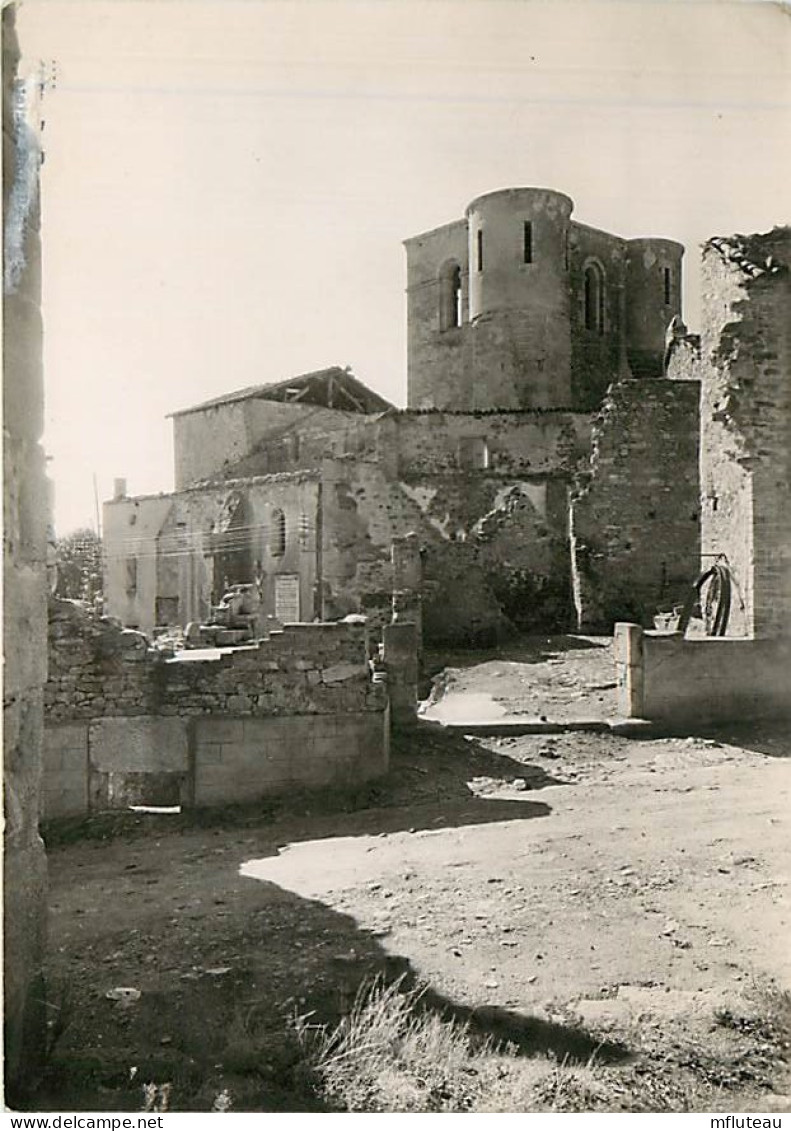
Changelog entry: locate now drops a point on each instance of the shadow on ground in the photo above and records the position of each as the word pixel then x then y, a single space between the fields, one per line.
pixel 223 963
pixel 772 737
pixel 218 995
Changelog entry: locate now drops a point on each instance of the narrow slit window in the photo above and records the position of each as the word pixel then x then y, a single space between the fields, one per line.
pixel 278 538
pixel 667 285
pixel 450 297
pixel 527 241
pixel 480 248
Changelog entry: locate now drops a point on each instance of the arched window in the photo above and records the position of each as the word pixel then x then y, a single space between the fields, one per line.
pixel 450 296
pixel 594 298
pixel 278 540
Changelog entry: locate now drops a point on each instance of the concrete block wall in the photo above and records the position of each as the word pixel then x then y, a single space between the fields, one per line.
pixel 685 682
pixel 237 760
pixel 209 760
pixel 66 770
pixel 635 532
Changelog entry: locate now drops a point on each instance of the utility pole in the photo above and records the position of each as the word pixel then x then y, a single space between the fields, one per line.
pixel 96 504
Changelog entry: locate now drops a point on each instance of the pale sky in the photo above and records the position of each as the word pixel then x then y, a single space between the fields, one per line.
pixel 227 184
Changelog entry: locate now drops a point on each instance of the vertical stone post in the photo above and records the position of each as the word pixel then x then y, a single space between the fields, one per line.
pixel 25 506
pixel 400 654
pixel 408 583
pixel 628 645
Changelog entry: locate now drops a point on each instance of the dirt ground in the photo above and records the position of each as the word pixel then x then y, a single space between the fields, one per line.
pixel 575 894
pixel 558 678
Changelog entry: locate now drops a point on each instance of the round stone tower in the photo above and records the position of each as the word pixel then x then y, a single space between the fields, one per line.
pixel 519 299
pixel 653 297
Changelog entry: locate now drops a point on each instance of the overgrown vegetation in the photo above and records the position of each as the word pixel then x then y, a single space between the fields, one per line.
pixel 392 1054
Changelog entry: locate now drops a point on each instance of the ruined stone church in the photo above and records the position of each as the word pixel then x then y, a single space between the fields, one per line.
pixel 546 462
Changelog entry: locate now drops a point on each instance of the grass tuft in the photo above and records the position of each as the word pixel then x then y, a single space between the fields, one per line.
pixel 391 1055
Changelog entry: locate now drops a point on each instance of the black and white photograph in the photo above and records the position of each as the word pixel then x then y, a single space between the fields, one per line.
pixel 397 560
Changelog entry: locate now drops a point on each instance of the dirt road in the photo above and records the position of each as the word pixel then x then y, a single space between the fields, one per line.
pixel 570 890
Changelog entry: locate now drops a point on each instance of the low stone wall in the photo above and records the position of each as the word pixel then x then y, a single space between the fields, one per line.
pixel 127 725
pixel 240 759
pixel 680 682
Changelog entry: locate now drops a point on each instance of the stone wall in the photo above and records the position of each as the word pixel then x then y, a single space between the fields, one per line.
pixel 258 437
pixel 134 576
pixel 24 576
pixel 502 443
pixel 167 557
pixel 686 682
pixel 745 370
pixel 635 516
pixel 239 760
pixel 126 724
pixel 210 442
pixel 439 362
pixel 522 338
pixel 597 355
pixel 492 545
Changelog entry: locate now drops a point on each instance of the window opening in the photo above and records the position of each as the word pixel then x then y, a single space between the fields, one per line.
pixel 278 545
pixel 667 286
pixel 480 249
pixel 473 453
pixel 527 244
pixel 594 299
pixel 450 297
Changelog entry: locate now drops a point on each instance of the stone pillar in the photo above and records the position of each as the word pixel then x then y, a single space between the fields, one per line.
pixel 24 577
pixel 400 655
pixel 628 647
pixel 408 583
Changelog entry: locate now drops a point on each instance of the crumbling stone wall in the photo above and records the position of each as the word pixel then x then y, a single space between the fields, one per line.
pixel 494 548
pixel 745 369
pixel 635 536
pixel 178 550
pixel 684 361
pixel 96 668
pixel 129 724
pixel 509 443
pixel 270 435
pixel 100 670
pixel 289 437
pixel 24 576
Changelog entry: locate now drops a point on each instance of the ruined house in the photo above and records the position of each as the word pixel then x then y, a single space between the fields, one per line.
pixel 516 470
pixel 741 362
